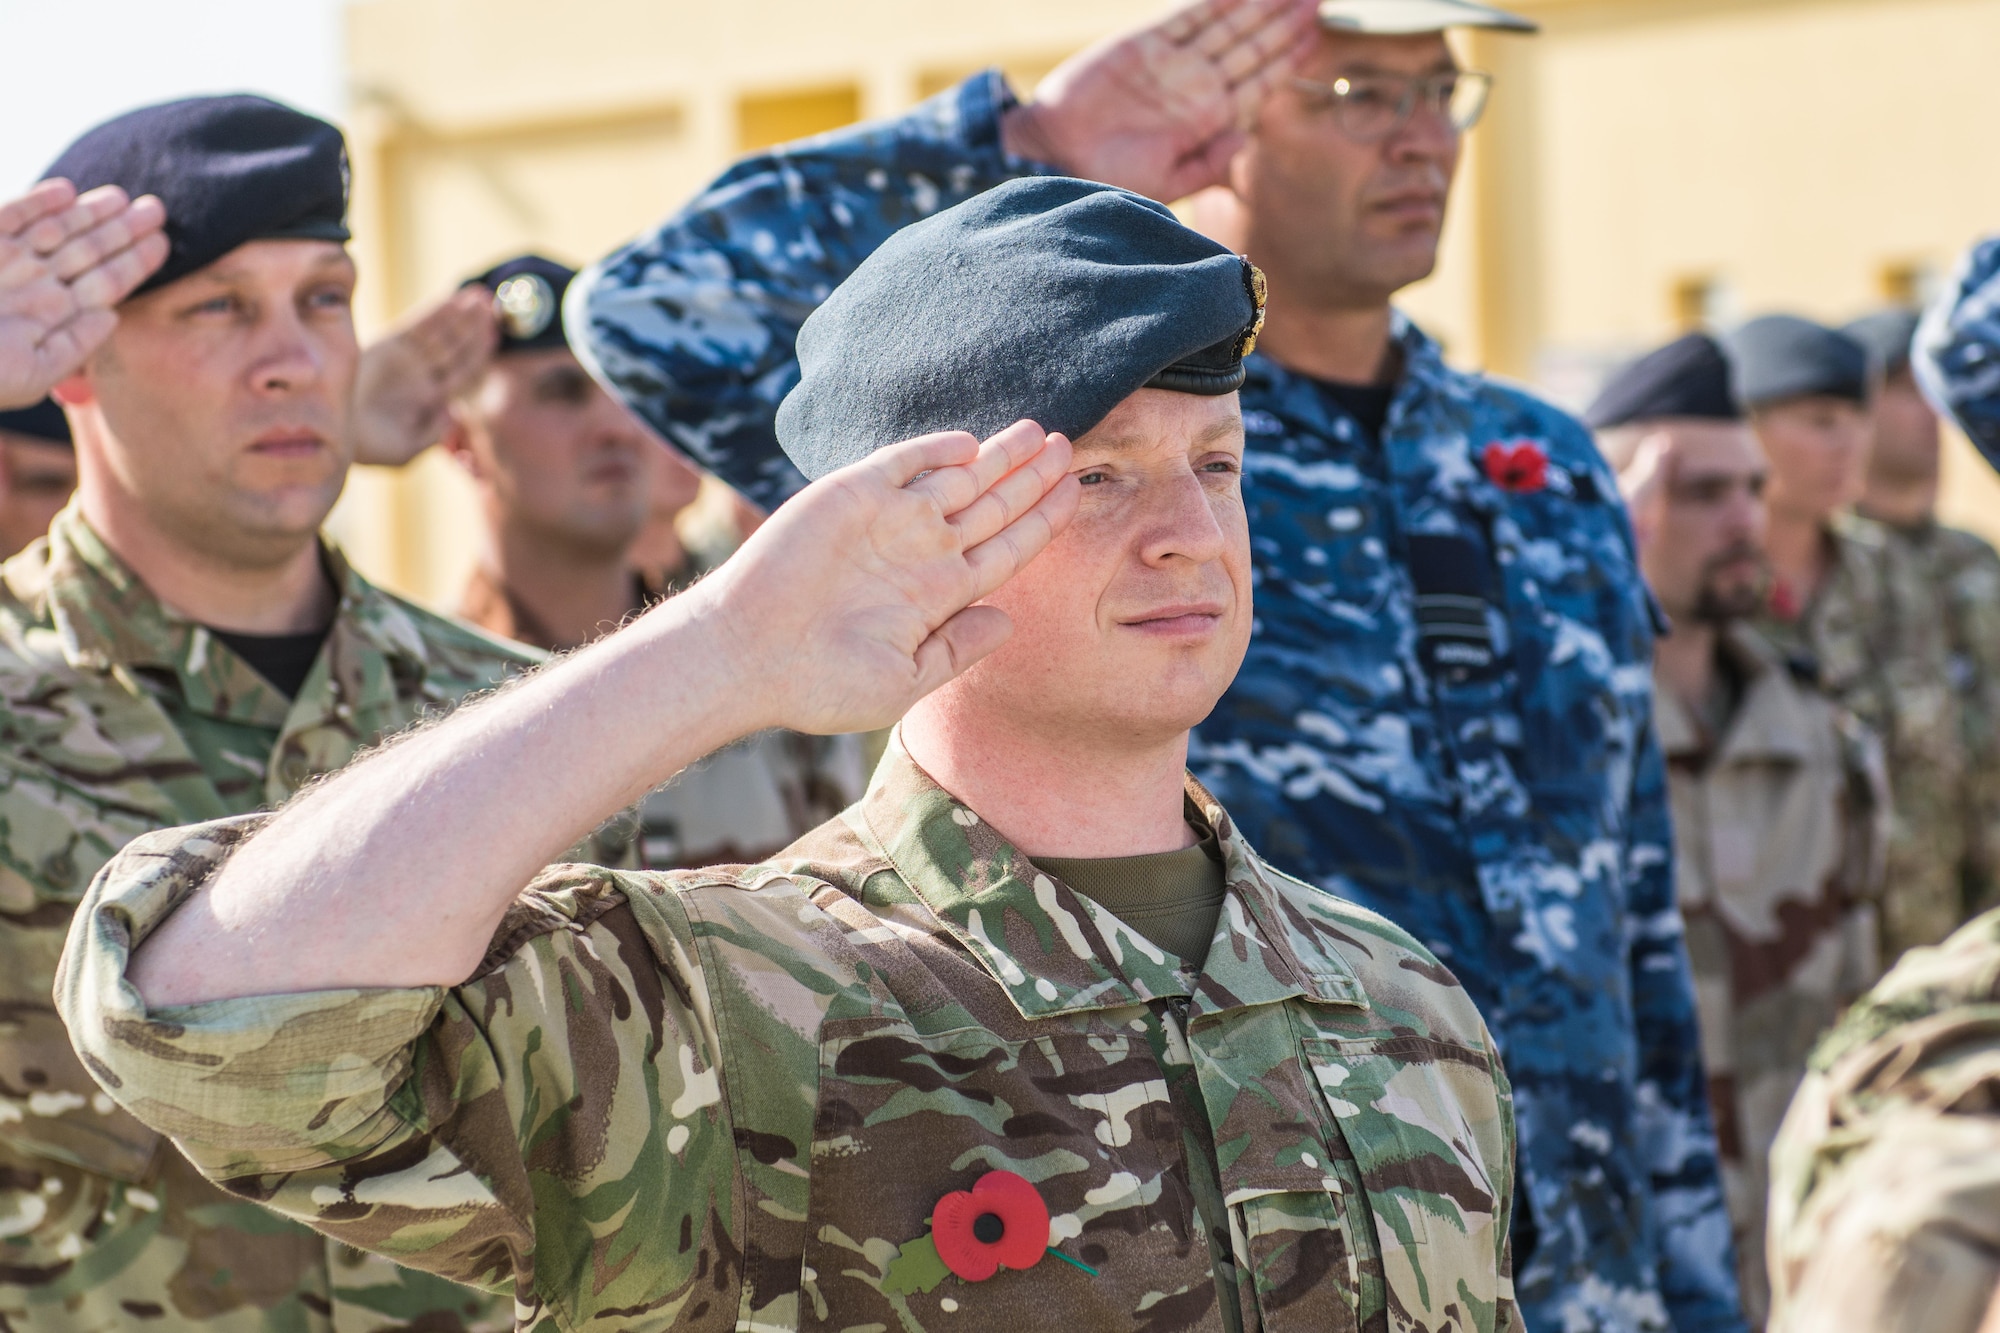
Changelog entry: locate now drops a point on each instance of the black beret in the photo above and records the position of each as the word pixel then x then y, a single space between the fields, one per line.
pixel 1045 297
pixel 1689 377
pixel 229 170
pixel 527 297
pixel 1782 356
pixel 44 421
pixel 1887 334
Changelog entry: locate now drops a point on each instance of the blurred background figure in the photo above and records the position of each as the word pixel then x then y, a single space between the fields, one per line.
pixel 1860 604
pixel 1885 1181
pixel 37 472
pixel 579 502
pixel 1962 571
pixel 1779 801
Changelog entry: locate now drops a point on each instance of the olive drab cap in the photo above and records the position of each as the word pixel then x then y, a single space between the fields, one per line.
pixel 1402 17
pixel 1044 298
pixel 229 169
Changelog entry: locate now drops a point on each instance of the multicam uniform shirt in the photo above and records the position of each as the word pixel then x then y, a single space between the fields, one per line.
pixel 1882 637
pixel 1512 815
pixel 712 1100
pixel 118 717
pixel 1885 1198
pixel 1779 827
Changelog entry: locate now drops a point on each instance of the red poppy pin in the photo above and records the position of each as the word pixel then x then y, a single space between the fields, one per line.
pixel 1001 1222
pixel 1520 468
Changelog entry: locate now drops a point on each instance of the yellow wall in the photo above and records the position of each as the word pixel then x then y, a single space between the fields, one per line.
pixel 1643 160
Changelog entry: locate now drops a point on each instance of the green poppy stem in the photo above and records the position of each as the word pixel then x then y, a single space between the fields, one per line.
pixel 1073 1263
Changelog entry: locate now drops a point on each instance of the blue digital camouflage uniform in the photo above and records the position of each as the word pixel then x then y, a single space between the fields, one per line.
pixel 1957 352
pixel 1512 815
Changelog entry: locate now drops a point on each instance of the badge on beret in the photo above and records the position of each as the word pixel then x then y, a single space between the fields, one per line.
pixel 1260 292
pixel 525 304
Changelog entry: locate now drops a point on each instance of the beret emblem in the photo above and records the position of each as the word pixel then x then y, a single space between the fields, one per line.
pixel 525 303
pixel 1260 292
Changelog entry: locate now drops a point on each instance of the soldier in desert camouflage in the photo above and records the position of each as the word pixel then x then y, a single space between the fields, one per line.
pixel 1164 1087
pixel 1780 802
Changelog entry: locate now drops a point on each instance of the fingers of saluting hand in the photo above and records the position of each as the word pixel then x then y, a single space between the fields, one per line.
pixel 119 274
pixel 1241 35
pixel 1035 464
pixel 47 198
pixel 1008 551
pixel 458 337
pixel 953 489
pixel 103 236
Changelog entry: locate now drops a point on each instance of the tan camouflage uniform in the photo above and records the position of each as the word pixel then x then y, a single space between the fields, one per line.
pixel 737 806
pixel 1779 826
pixel 1882 639
pixel 1885 1200
pixel 119 718
pixel 712 1101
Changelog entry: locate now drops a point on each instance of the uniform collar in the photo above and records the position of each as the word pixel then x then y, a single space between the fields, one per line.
pixel 1771 722
pixel 1054 951
pixel 107 620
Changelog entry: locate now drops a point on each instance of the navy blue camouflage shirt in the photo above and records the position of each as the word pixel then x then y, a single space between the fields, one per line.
pixel 1444 713
pixel 1956 355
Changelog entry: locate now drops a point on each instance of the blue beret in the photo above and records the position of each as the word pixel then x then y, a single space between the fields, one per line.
pixel 44 421
pixel 1888 335
pixel 1046 298
pixel 527 296
pixel 1689 377
pixel 1782 356
pixel 229 170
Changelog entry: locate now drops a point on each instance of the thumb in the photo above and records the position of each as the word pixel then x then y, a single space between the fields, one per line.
pixel 958 643
pixel 1206 166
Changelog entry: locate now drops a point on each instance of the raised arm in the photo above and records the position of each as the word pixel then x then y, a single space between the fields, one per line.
pixel 65 263
pixel 693 325
pixel 849 605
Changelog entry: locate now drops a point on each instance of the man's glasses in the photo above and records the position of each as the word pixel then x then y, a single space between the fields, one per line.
pixel 1371 107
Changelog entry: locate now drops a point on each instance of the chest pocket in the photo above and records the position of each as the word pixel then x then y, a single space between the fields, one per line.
pixel 904 1118
pixel 1424 1122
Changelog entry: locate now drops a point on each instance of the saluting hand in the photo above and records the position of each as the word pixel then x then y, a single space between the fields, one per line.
pixel 1161 111
pixel 856 598
pixel 65 264
pixel 406 381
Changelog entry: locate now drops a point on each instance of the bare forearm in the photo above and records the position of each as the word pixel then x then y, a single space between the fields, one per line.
pixel 395 872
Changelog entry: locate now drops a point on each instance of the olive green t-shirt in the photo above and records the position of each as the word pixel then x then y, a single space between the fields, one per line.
pixel 1172 898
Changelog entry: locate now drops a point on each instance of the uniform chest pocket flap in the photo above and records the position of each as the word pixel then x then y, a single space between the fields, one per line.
pixel 1423 1120
pixel 905 1118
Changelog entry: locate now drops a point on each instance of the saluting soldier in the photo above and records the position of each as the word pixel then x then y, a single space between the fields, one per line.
pixel 565 477
pixel 1445 713
pixel 1862 605
pixel 185 645
pixel 1028 1037
pixel 1780 803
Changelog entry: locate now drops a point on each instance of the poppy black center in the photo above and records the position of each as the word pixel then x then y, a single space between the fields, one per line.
pixel 987 1228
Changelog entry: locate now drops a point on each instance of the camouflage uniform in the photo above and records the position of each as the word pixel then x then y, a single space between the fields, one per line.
pixel 1956 355
pixel 714 1100
pixel 1964 570
pixel 1512 816
pixel 1882 638
pixel 121 717
pixel 1885 1182
pixel 741 804
pixel 1779 824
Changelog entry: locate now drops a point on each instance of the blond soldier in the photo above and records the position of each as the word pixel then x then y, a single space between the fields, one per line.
pixel 1778 796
